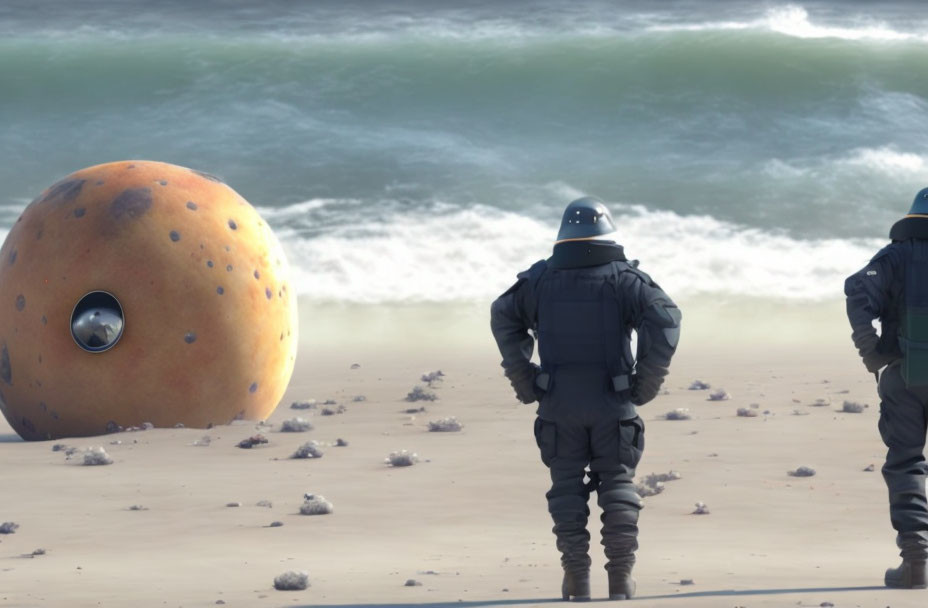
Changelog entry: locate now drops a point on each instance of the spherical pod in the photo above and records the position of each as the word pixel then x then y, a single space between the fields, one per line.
pixel 138 291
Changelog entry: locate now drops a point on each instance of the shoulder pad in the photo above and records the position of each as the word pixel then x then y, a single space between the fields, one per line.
pixel 535 271
pixel 891 250
pixel 632 267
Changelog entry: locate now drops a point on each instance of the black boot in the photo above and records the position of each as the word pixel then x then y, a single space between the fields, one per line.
pixel 576 585
pixel 621 583
pixel 912 573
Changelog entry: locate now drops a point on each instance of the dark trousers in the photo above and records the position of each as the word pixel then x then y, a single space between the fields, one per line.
pixel 903 425
pixel 592 441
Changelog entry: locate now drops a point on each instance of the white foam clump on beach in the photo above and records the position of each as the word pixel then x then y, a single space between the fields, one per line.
pixel 402 458
pixel 310 449
pixel 291 581
pixel 315 505
pixel 96 456
pixel 296 425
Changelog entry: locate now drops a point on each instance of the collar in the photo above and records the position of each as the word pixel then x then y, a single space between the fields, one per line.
pixel 580 254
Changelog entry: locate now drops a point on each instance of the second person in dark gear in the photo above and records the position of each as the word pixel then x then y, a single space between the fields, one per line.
pixel 893 288
pixel 582 304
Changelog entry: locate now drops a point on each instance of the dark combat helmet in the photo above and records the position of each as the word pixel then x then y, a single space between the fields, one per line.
pixel 585 218
pixel 915 224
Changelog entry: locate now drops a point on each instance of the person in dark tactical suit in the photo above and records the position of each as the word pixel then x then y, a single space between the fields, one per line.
pixel 893 288
pixel 582 304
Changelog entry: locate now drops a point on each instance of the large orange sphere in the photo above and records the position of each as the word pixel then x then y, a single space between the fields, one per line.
pixel 136 292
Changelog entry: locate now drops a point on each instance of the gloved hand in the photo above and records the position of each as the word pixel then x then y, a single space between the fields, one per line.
pixel 644 389
pixel 875 361
pixel 522 379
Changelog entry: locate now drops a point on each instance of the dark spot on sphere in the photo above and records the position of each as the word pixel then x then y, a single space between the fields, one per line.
pixel 191 205
pixel 6 372
pixel 99 182
pixel 131 167
pixel 209 263
pixel 257 274
pixel 281 337
pixel 253 387
pixel 220 290
pixel 65 191
pixel 20 302
pixel 175 236
pixel 38 235
pixel 13 257
pixel 208 176
pixel 233 225
pixel 40 358
pixel 27 424
pixel 190 338
pixel 267 292
pixel 42 406
pixel 44 320
pixel 228 248
pixel 280 293
pixel 163 182
pixel 79 212
pixel 54 414
pixel 229 268
pixel 132 203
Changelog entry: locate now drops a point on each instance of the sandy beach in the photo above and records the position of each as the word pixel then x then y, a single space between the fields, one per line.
pixel 469 520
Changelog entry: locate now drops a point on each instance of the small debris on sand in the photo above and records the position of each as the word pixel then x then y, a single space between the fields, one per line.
pixel 296 425
pixel 37 552
pixel 869 468
pixel 359 398
pixel 276 524
pixel 303 405
pixel 821 402
pixel 402 458
pixel 329 402
pixel 827 605
pixel 341 443
pixel 203 441
pixel 653 484
pixel 719 395
pixel 414 410
pixel 116 442
pixel 310 449
pixel 681 413
pixel 686 581
pixel 252 441
pixel 701 509
pixel 327 411
pixel 355 366
pixel 233 504
pixel 433 378
pixel 179 425
pixel 58 447
pixel 699 385
pixel 292 581
pixel 264 503
pixel 147 426
pixel 411 582
pixel 315 505
pixel 802 472
pixel 746 412
pixel 800 413
pixel 420 394
pixel 138 508
pixel 8 527
pixel 852 407
pixel 96 456
pixel 445 425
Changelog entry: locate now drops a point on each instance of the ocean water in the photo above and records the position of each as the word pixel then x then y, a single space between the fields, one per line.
pixel 419 151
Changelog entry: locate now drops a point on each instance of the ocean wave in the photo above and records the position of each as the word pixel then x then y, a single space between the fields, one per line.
pixel 885 161
pixel 794 21
pixel 474 254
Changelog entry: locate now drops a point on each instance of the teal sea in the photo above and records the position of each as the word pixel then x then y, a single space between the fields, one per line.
pixel 418 151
